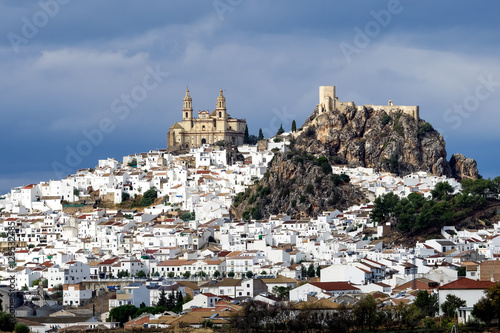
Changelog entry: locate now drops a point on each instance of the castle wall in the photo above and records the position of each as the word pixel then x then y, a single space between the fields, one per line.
pixel 411 110
pixel 328 102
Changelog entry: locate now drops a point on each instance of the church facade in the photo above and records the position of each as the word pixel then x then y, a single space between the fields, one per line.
pixel 207 128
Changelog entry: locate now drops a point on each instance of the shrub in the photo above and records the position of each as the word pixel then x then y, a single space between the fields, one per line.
pixel 21 328
pixel 423 129
pixel 386 119
pixel 310 132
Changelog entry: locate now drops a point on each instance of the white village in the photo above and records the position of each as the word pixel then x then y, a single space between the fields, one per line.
pixel 80 253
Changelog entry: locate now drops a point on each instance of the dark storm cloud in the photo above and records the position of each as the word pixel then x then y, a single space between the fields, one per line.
pixel 268 57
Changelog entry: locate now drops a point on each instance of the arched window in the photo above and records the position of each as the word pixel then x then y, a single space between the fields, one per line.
pixel 186 114
pixel 203 141
pixel 220 114
pixel 203 127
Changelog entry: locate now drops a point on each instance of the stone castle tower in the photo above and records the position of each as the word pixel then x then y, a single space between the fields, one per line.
pixel 208 128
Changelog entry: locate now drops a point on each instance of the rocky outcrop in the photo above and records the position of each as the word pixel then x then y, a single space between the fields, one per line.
pixel 463 167
pixel 297 184
pixel 361 136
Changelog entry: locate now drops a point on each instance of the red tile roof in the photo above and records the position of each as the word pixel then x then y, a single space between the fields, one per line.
pixel 465 283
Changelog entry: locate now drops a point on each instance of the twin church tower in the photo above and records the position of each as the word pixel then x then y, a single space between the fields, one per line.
pixel 207 128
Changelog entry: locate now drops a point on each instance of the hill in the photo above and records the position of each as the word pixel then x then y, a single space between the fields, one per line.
pixel 299 184
pixel 394 142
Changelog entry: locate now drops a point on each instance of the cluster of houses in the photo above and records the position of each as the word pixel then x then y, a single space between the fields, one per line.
pixel 134 256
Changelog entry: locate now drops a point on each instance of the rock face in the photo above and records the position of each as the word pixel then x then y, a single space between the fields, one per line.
pixel 463 167
pixel 363 137
pixel 297 185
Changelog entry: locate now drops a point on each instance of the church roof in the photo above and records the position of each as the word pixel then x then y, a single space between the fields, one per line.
pixel 177 126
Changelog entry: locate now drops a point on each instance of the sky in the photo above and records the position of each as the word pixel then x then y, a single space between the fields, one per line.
pixel 86 80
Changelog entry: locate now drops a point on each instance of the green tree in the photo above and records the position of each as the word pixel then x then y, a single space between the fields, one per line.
pixel 125 196
pixel 282 292
pixel 488 307
pixel 122 274
pixel 427 303
pixel 311 272
pixel 149 197
pixel 170 274
pixel 451 305
pixel 21 328
pixel 384 207
pixel 303 271
pixel 280 130
pixel 442 190
pixel 216 274
pixel 261 135
pixel 366 315
pixel 141 274
pixel 133 162
pixel 476 186
pixel 171 300
pixel 230 274
pixel 318 271
pixel 246 136
pixel 7 322
pixel 178 302
pixel 394 164
pixel 123 313
pixel 162 300
pixel 294 126
pixel 249 274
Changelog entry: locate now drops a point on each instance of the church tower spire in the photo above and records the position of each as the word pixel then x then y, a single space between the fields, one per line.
pixel 221 105
pixel 187 110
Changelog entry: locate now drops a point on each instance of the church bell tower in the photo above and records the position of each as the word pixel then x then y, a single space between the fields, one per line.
pixel 187 109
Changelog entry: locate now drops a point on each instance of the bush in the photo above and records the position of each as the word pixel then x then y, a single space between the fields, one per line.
pixel 7 322
pixel 423 129
pixel 149 197
pixel 386 119
pixel 397 127
pixel 21 328
pixel 310 132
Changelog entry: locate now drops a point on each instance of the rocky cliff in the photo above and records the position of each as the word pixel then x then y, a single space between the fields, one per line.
pixel 298 184
pixel 394 142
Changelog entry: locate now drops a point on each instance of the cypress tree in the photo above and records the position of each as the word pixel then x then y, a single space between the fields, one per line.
pixel 261 135
pixel 294 126
pixel 280 130
pixel 246 136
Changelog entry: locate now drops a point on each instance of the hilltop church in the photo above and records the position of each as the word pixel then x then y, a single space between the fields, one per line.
pixel 207 128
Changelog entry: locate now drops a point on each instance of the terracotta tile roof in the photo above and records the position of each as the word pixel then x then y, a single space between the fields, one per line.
pixel 465 283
